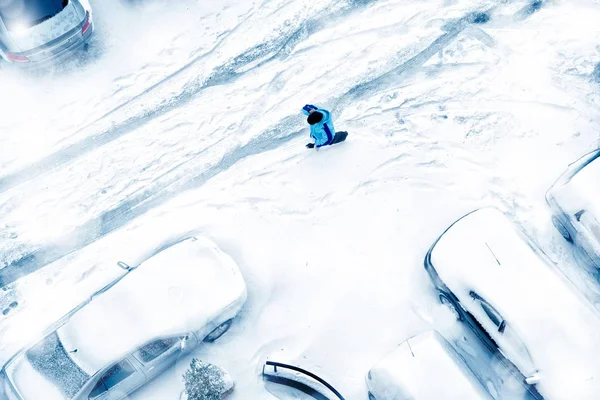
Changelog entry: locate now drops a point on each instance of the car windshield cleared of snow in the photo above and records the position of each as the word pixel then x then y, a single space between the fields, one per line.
pixel 50 359
pixel 23 14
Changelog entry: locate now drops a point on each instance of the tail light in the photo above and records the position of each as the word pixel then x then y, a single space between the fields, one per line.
pixel 17 58
pixel 87 24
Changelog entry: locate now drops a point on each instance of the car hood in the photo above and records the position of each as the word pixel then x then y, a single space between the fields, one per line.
pixel 177 291
pixel 48 30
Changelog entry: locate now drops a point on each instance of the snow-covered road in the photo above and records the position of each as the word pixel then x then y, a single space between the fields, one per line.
pixel 197 129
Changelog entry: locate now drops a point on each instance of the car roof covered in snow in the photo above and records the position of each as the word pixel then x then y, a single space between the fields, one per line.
pixel 424 367
pixel 486 253
pixel 174 292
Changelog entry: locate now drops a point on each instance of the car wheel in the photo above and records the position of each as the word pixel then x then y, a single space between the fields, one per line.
pixel 371 397
pixel 445 300
pixel 218 331
pixel 560 227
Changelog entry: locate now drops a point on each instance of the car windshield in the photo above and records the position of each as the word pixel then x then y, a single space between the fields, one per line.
pixel 23 14
pixel 50 359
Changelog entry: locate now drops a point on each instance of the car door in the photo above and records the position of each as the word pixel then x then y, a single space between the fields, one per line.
pixel 509 343
pixel 118 381
pixel 159 354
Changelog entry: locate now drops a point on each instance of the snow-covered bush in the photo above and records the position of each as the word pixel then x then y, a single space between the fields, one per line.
pixel 203 381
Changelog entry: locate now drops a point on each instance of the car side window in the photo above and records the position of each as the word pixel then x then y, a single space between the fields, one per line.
pixel 495 318
pixel 115 375
pixel 155 349
pixel 490 311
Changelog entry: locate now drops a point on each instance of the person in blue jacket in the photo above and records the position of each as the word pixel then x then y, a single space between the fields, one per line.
pixel 321 126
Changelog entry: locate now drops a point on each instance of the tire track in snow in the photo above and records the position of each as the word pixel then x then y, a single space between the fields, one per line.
pixel 415 64
pixel 288 35
pixel 163 190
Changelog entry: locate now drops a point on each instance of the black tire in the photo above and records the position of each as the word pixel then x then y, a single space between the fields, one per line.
pixel 560 227
pixel 448 302
pixel 218 331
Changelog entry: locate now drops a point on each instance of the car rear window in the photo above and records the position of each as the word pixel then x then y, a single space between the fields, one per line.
pixel 23 14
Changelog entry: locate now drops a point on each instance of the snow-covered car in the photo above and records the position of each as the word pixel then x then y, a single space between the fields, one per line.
pixel 424 367
pixel 298 379
pixel 575 203
pixel 32 31
pixel 498 282
pixel 134 328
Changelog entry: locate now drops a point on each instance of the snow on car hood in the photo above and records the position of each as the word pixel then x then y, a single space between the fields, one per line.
pixel 424 367
pixel 48 30
pixel 177 291
pixel 484 252
pixel 30 384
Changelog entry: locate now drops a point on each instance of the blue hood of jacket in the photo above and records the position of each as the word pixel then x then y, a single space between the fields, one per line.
pixel 322 132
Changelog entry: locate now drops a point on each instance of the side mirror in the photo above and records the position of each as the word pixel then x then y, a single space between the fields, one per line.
pixel 502 326
pixel 533 378
pixel 124 265
pixel 183 341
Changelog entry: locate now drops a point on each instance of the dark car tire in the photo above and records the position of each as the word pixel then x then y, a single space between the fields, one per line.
pixel 218 331
pixel 560 227
pixel 448 302
pixel 371 397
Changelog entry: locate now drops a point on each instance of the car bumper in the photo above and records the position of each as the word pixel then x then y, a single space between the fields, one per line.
pixel 47 55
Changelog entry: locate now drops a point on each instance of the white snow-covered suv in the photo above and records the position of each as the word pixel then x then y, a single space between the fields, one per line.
pixel 498 282
pixel 133 329
pixel 575 203
pixel 34 31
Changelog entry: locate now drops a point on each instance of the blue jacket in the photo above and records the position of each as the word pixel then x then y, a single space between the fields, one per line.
pixel 322 132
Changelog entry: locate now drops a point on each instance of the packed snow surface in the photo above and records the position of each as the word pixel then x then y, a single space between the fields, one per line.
pixel 424 367
pixel 183 119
